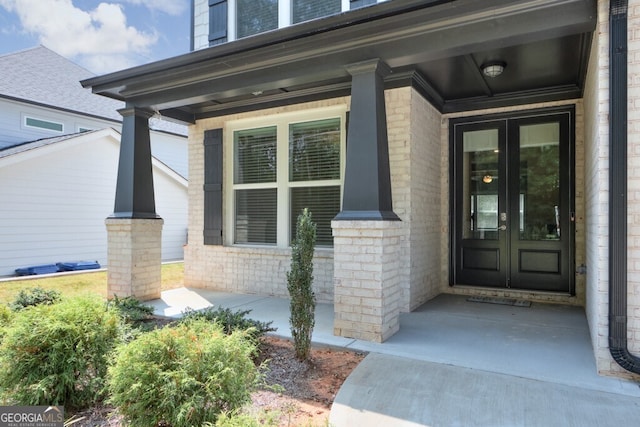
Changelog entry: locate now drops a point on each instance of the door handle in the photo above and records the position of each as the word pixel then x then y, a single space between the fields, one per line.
pixel 503 227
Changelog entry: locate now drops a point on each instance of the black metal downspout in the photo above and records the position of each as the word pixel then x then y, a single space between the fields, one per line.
pixel 618 187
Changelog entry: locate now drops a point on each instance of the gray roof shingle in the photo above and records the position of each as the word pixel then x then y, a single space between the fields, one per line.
pixel 31 145
pixel 39 75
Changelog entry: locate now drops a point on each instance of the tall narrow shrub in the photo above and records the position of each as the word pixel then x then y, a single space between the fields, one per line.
pixel 299 284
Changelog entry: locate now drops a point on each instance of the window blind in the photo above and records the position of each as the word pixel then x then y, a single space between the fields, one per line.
pixel 256 216
pixel 304 10
pixel 255 156
pixel 314 150
pixel 324 205
pixel 256 16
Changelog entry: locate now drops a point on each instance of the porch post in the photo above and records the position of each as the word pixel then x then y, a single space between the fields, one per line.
pixel 134 230
pixel 367 179
pixel 367 233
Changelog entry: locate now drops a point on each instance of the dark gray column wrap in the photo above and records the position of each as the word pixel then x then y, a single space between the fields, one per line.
pixel 134 188
pixel 367 181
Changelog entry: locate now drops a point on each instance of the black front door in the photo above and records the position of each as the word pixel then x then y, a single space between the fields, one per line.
pixel 512 202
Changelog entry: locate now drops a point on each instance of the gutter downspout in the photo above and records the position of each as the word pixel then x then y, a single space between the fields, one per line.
pixel 618 345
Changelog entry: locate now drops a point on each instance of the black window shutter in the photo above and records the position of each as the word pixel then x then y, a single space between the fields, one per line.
pixel 361 3
pixel 217 22
pixel 213 187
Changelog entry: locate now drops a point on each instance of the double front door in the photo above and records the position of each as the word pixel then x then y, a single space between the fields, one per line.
pixel 513 215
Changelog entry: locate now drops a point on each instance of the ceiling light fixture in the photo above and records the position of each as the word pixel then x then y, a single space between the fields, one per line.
pixel 493 69
pixel 487 179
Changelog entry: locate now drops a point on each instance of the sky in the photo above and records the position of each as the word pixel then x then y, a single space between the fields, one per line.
pixel 102 36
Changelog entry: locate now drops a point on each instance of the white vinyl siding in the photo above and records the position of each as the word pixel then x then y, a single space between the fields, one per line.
pixel 59 196
pixel 13 129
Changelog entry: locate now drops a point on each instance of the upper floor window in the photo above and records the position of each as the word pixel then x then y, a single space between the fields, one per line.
pixel 305 10
pixel 220 21
pixel 256 16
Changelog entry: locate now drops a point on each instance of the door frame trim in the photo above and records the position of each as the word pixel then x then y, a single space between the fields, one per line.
pixel 453 181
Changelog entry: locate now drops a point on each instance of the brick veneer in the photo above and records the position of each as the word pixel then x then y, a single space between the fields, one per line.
pixel 134 257
pixel 596 100
pixel 367 278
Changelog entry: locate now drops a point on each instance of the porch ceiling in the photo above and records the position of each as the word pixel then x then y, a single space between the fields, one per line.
pixel 436 46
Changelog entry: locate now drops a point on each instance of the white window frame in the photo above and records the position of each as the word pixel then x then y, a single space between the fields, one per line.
pixel 26 117
pixel 282 122
pixel 285 12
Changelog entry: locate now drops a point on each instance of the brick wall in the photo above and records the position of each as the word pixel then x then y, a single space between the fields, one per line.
pixel 429 190
pixel 596 99
pixel 596 107
pixel 417 180
pixel 417 185
pixel 200 24
pixel 367 278
pixel 134 257
pixel 253 270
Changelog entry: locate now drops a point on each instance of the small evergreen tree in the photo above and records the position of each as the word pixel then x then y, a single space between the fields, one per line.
pixel 299 284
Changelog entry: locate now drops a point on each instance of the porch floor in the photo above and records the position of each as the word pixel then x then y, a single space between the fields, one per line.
pixel 516 357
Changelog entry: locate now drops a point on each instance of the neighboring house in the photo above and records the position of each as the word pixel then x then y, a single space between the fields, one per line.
pixel 43 111
pixel 57 192
pixel 442 146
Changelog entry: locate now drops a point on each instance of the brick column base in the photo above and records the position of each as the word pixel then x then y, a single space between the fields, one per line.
pixel 134 258
pixel 366 277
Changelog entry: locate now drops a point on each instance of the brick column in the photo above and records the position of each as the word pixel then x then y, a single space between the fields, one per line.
pixel 366 279
pixel 134 256
pixel 134 230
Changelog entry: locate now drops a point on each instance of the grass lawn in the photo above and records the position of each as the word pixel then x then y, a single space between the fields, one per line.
pixel 92 283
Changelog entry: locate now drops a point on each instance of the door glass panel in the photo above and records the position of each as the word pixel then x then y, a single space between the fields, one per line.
pixel 480 184
pixel 539 182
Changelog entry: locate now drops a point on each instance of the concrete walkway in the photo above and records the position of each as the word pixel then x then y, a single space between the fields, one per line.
pixel 458 363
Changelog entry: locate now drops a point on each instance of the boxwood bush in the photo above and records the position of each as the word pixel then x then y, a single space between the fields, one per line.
pixel 5 319
pixel 57 354
pixel 35 296
pixel 230 320
pixel 182 375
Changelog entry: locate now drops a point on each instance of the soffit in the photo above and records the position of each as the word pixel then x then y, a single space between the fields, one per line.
pixel 438 47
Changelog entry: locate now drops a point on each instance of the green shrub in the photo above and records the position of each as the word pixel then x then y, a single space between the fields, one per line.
pixel 264 419
pixel 299 284
pixel 230 320
pixel 182 375
pixel 131 309
pixel 5 319
pixel 58 354
pixel 5 315
pixel 35 296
